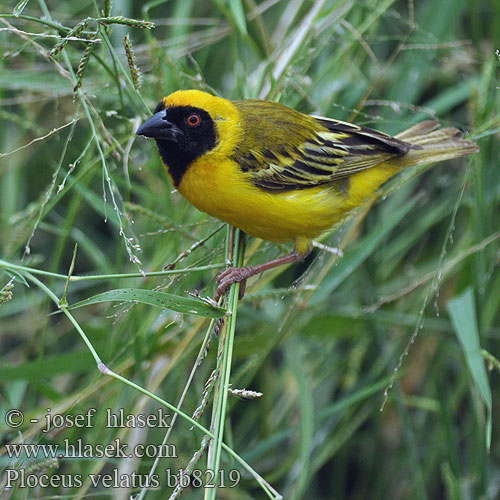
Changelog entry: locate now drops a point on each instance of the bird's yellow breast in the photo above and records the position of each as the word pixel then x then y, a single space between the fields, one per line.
pixel 219 188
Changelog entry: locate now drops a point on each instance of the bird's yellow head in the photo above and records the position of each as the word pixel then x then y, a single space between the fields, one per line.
pixel 188 124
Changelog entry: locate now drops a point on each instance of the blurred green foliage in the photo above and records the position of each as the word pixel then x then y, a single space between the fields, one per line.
pixel 321 351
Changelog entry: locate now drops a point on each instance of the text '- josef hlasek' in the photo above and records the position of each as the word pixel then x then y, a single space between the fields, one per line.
pixel 114 419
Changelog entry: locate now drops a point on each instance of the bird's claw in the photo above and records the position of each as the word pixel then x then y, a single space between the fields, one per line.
pixel 229 277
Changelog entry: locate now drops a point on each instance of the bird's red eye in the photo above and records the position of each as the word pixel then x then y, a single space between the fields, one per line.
pixel 194 120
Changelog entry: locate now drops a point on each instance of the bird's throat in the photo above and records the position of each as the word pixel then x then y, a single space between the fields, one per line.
pixel 178 156
pixel 175 159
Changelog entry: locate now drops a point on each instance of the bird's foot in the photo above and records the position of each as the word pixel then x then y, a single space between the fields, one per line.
pixel 229 277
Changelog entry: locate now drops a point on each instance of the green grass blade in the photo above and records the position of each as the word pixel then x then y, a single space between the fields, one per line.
pixel 462 311
pixel 305 405
pixel 238 13
pixel 164 300
pixel 18 9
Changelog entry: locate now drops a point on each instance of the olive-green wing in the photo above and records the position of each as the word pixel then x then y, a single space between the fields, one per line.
pixel 332 150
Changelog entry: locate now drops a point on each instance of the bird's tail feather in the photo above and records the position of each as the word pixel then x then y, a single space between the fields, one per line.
pixel 434 143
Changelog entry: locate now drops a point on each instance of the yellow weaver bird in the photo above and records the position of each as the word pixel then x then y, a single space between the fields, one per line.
pixel 279 174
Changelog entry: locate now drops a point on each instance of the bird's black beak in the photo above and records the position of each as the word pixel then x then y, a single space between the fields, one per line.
pixel 158 127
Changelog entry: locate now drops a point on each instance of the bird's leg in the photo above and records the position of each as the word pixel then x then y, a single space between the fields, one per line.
pixel 241 274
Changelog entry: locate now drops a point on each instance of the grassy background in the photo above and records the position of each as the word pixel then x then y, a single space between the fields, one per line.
pixel 424 259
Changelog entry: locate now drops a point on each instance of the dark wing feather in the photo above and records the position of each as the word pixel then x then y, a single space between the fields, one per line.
pixel 332 151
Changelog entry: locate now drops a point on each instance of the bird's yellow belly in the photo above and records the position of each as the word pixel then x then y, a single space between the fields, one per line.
pixel 223 191
pixel 220 189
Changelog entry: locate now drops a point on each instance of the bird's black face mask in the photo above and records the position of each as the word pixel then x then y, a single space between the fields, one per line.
pixel 182 134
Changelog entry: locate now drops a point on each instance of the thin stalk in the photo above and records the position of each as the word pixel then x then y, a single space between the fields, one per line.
pixel 55 298
pixel 225 354
pixel 44 22
pixel 17 267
